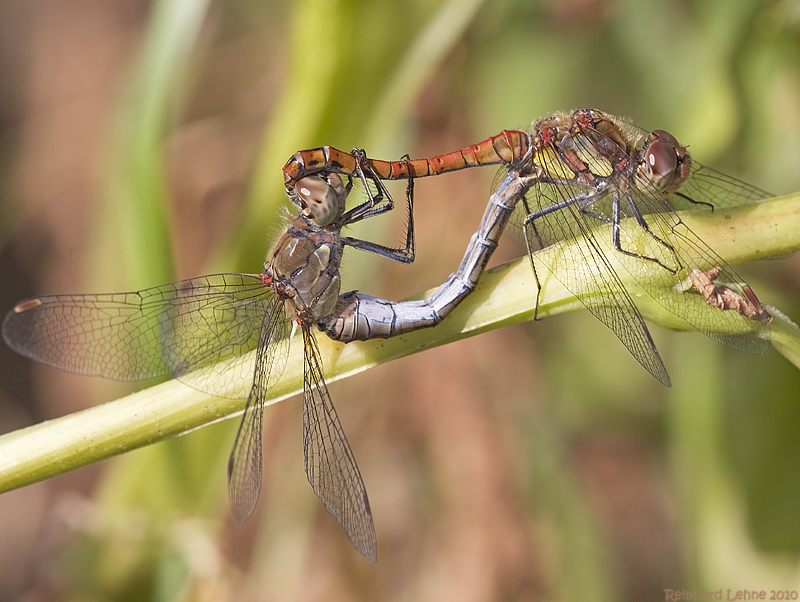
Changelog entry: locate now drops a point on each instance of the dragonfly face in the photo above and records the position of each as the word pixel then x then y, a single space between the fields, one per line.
pixel 321 197
pixel 665 165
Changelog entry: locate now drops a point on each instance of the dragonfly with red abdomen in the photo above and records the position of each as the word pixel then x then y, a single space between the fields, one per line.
pixel 570 174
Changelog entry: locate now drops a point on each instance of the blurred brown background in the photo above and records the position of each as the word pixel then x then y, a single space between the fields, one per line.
pixel 141 142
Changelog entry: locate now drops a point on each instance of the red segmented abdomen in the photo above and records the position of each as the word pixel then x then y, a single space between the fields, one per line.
pixel 505 147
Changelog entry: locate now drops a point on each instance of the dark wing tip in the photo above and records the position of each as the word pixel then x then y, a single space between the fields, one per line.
pixel 27 304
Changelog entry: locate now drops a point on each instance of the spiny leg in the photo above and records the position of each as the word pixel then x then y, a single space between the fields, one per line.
pixel 373 205
pixel 640 220
pixel 403 255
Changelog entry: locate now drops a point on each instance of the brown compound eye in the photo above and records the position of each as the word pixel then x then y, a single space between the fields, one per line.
pixel 661 161
pixel 662 136
pixel 323 199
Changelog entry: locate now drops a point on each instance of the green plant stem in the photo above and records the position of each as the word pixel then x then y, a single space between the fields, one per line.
pixel 505 295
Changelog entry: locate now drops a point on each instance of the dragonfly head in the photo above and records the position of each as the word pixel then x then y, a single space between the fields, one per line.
pixel 321 197
pixel 665 164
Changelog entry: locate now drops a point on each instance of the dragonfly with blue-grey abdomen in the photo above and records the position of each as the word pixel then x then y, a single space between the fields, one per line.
pixel 201 330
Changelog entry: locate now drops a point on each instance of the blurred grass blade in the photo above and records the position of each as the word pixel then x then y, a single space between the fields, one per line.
pixel 505 295
pixel 137 193
pixel 416 68
pixel 316 28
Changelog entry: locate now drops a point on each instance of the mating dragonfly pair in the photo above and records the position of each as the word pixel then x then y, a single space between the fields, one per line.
pixel 563 180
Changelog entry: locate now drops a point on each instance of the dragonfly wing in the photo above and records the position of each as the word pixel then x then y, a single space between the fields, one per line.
pixel 583 268
pixel 173 329
pixel 245 463
pixel 706 186
pixel 330 465
pixel 675 246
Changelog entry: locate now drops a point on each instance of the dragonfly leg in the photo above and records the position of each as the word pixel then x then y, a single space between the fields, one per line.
pixel 527 209
pixel 583 200
pixel 374 205
pixel 642 222
pixel 588 202
pixel 692 201
pixel 405 254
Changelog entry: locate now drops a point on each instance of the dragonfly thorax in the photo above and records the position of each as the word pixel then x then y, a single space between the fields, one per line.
pixel 304 268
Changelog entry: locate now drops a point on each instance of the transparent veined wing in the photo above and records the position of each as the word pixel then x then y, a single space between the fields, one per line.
pixel 183 329
pixel 330 465
pixel 246 460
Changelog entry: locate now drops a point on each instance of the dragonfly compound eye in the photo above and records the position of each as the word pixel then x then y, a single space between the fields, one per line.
pixel 661 161
pixel 320 198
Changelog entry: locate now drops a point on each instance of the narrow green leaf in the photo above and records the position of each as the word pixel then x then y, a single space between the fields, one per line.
pixel 136 194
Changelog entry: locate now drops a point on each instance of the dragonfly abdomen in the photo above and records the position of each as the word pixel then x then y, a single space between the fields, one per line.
pixel 505 147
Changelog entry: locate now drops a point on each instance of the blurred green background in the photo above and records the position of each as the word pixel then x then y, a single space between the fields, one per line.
pixel 142 142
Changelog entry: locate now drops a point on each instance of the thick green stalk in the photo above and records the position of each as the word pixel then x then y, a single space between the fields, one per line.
pixel 506 295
